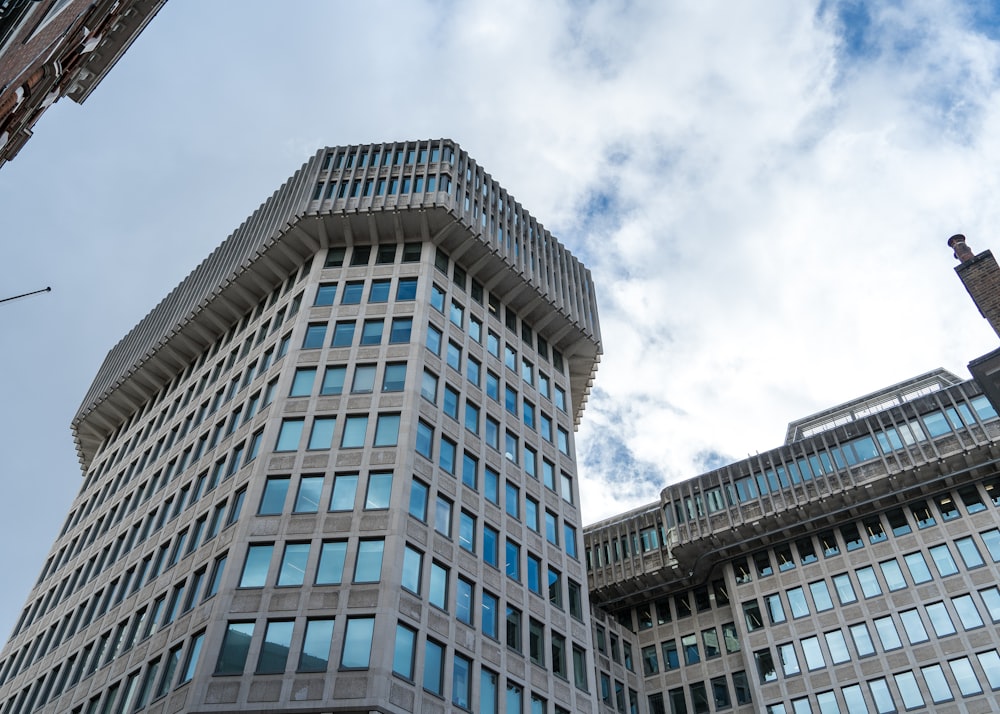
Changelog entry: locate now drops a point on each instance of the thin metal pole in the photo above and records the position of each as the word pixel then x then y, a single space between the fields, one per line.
pixel 33 292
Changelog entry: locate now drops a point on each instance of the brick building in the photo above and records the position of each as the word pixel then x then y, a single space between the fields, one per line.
pixel 51 49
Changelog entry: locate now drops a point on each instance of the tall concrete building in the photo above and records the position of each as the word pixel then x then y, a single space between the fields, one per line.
pixel 50 49
pixel 333 470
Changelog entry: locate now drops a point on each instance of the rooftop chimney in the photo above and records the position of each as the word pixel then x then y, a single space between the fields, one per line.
pixel 981 277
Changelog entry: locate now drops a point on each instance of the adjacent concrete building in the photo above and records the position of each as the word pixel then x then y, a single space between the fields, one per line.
pixel 50 49
pixel 334 469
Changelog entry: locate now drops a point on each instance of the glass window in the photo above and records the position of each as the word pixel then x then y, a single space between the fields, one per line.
pixel 765 666
pixel 513 560
pixel 275 492
pixel 235 647
pixel 488 614
pixel 379 491
pixel 918 568
pixel 403 651
pixel 368 567
pixel 943 561
pixel 355 428
pixel 438 586
pixel 797 602
pixel 467 531
pixel 379 291
pixel 821 596
pixel 386 430
pixel 862 640
pixel 887 633
pixel 442 515
pixel 813 653
pixel 345 487
pixel 333 381
pixel 845 591
pixel 412 569
pixel 940 619
pixel 967 612
pixel 418 500
pixel 293 564
pixel 893 574
pixel 307 499
pixel 364 379
pixel 274 649
pixel 913 626
pixel 290 435
pixel 343 334
pixel 990 662
pixel 837 645
pixel 357 643
pixel 406 289
pixel 775 611
pixel 352 292
pixel 256 566
pixel 325 294
pixel 321 436
pixel 425 439
pixel 331 562
pixel 884 703
pixel 965 676
pixel 302 383
pixel 909 690
pixel 869 582
pixel 433 342
pixel 315 337
pixel 969 552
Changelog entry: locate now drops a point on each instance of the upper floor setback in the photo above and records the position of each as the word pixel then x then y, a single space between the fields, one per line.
pixel 429 191
pixel 918 447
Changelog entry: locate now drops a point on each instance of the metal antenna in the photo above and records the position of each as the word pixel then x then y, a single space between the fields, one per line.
pixel 33 292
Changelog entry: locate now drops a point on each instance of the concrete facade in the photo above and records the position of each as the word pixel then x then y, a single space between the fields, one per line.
pixel 334 469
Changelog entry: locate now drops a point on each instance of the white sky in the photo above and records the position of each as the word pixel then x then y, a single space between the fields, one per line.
pixel 763 192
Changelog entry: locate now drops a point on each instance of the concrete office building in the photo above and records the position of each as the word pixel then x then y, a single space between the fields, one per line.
pixel 852 569
pixel 333 470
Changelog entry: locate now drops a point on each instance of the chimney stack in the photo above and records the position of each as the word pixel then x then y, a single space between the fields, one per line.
pixel 981 277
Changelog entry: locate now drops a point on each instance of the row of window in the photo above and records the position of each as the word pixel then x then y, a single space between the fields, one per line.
pixel 635 543
pixel 380 186
pixel 117 641
pixel 536 421
pixel 295 562
pixel 871 585
pixel 716 692
pixel 835 458
pixel 183 544
pixel 711 647
pixel 421 153
pixel 210 376
pixel 371 334
pixel 322 431
pixel 962 676
pixel 364 378
pixel 361 255
pixel 534 516
pixel 684 604
pixel 433 675
pixel 487 540
pixel 140 688
pixel 876 529
pixel 618 703
pixel 208 441
pixel 448 460
pixel 831 649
